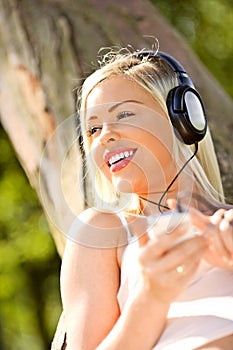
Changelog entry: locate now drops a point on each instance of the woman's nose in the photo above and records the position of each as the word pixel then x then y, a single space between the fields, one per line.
pixel 109 133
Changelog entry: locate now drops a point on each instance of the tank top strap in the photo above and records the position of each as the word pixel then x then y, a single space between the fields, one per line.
pixel 125 224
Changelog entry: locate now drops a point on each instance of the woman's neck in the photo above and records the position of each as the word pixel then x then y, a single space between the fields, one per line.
pixel 157 202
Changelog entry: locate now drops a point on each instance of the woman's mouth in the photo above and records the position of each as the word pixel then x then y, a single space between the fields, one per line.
pixel 117 160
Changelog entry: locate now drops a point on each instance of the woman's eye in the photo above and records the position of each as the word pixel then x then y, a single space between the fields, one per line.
pixel 92 130
pixel 124 114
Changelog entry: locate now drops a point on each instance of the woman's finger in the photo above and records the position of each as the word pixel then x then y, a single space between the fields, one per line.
pixel 158 246
pixel 199 220
pixel 226 229
pixel 184 254
pixel 228 215
pixel 218 241
pixel 226 234
pixel 168 275
pixel 217 216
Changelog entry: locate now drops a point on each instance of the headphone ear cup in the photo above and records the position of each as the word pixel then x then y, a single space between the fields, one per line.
pixel 187 114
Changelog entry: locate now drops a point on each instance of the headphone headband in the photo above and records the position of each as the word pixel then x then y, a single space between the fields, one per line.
pixel 182 76
pixel 175 65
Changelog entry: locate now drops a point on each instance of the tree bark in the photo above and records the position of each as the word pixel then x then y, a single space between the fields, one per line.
pixel 47 48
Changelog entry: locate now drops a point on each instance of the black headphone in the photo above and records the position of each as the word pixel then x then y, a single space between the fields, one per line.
pixel 184 104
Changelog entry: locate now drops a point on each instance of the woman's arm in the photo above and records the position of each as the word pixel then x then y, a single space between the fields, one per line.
pixel 90 280
pixel 89 285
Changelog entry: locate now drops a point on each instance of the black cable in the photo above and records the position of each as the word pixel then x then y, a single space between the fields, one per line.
pixel 150 201
pixel 171 183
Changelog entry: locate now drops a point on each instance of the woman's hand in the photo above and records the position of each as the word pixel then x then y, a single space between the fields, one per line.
pixel 218 230
pixel 220 236
pixel 167 267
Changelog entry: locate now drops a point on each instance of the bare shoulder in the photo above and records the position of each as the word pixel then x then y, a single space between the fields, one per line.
pixel 90 259
pixel 97 229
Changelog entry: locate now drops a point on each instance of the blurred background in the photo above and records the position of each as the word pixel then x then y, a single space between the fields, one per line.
pixel 29 263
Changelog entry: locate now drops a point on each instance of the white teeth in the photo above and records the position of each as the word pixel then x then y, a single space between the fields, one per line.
pixel 119 156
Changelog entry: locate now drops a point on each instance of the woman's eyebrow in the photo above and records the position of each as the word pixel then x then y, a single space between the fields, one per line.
pixel 93 117
pixel 111 109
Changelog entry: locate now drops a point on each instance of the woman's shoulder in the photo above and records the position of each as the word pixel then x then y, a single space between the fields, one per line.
pixel 100 229
pixel 98 215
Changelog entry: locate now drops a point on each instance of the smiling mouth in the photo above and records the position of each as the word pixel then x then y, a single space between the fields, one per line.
pixel 119 160
pixel 119 156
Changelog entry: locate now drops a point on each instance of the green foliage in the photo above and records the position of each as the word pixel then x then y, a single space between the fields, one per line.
pixel 207 27
pixel 29 265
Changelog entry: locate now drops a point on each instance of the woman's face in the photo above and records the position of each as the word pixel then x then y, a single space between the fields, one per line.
pixel 131 138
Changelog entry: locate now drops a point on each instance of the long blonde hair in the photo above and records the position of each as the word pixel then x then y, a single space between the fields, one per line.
pixel 157 78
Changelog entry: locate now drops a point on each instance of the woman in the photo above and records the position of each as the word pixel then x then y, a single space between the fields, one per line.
pixel 125 283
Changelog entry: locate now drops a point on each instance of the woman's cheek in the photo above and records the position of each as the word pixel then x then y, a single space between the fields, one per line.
pixel 98 160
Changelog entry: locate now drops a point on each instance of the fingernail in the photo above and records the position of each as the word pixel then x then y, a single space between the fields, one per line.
pixel 229 214
pixel 224 225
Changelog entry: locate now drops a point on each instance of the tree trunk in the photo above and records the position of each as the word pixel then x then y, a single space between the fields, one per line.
pixel 47 48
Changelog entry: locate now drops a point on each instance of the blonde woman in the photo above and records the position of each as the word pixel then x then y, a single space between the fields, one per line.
pixel 125 282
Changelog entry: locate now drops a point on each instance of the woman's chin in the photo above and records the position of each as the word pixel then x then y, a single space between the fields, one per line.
pixel 123 185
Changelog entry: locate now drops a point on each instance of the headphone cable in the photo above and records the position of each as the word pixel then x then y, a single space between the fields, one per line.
pixel 171 183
